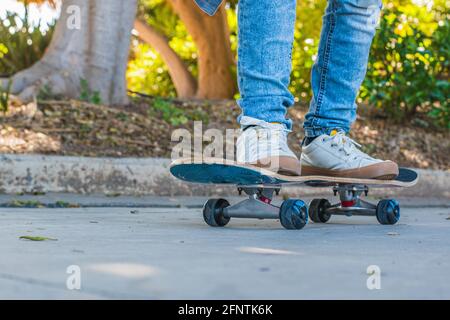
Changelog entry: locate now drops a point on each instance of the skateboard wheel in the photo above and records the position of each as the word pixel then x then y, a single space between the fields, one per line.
pixel 317 209
pixel 213 212
pixel 293 214
pixel 388 211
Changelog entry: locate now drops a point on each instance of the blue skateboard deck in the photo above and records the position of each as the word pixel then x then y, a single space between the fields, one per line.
pixel 217 171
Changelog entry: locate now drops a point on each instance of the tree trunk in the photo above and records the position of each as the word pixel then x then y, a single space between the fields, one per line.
pixel 215 58
pixel 185 84
pixel 97 52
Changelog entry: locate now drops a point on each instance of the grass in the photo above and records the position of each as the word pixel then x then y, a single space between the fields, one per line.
pixel 4 97
pixel 33 204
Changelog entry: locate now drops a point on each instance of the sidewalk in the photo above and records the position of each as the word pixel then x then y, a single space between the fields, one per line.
pixel 170 253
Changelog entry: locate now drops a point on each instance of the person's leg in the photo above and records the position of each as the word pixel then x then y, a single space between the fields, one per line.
pixel 348 29
pixel 266 35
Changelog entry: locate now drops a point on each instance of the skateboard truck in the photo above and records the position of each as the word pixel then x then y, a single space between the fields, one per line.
pixel 293 213
pixel 258 205
pixel 351 202
pixel 387 211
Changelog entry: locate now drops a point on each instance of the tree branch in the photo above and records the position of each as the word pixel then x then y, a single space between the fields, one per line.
pixel 215 58
pixel 185 84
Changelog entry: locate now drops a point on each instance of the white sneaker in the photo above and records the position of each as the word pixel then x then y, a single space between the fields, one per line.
pixel 265 145
pixel 337 155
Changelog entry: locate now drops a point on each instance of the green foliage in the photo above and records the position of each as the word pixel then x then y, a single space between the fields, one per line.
pixel 440 109
pixel 21 45
pixel 64 204
pixel 26 204
pixel 175 112
pixel 306 44
pixel 86 94
pixel 408 67
pixel 46 93
pixel 4 97
pixel 170 113
pixel 148 74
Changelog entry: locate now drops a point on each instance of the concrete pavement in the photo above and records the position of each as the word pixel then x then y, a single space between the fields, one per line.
pixel 169 253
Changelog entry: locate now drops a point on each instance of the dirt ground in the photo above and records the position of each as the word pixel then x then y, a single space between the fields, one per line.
pixel 144 128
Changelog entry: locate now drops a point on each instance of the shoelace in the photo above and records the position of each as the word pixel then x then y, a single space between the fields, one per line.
pixel 345 143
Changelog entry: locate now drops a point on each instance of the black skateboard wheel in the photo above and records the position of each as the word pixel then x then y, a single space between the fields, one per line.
pixel 388 211
pixel 317 209
pixel 293 214
pixel 213 212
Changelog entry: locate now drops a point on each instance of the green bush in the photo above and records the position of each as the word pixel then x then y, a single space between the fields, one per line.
pixel 87 94
pixel 4 97
pixel 21 45
pixel 408 67
pixel 440 109
pixel 170 113
pixel 306 44
pixel 147 72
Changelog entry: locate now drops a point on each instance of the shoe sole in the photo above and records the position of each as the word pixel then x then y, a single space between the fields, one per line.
pixel 284 165
pixel 386 170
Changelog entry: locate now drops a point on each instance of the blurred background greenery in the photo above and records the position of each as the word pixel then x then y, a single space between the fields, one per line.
pixel 408 69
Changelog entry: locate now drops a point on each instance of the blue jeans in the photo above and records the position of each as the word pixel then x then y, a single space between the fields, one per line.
pixel 266 35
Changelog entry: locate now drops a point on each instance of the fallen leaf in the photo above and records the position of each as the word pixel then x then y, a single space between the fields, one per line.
pixel 31 238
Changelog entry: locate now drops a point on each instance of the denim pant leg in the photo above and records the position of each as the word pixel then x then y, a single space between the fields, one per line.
pixel 348 29
pixel 266 35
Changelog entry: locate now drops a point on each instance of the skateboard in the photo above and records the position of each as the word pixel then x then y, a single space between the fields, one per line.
pixel 260 185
